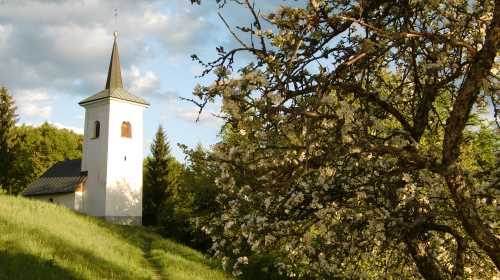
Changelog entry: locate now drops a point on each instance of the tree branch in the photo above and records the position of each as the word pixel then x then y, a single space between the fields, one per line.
pixel 455 125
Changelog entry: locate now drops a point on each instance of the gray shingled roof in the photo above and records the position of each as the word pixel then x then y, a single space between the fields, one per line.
pixel 114 72
pixel 118 93
pixel 62 177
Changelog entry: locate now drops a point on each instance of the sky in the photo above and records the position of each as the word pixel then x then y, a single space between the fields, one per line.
pixel 56 53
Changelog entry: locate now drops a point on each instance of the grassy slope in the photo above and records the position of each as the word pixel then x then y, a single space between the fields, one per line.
pixel 44 241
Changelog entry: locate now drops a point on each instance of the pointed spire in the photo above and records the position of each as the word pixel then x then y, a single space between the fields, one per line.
pixel 114 73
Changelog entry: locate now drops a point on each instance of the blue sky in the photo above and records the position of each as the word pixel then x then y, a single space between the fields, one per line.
pixel 55 53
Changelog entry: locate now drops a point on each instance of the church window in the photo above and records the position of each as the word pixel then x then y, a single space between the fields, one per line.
pixel 97 129
pixel 126 130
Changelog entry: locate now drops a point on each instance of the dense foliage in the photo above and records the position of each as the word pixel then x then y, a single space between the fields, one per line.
pixel 7 145
pixel 157 185
pixel 199 182
pixel 167 203
pixel 355 147
pixel 27 151
pixel 39 148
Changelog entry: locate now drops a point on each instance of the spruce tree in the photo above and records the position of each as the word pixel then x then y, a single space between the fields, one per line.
pixel 156 179
pixel 8 120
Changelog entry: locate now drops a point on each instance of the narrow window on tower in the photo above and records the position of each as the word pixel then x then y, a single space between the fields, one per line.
pixel 97 129
pixel 126 130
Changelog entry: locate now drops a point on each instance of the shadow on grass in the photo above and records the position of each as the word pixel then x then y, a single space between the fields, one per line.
pixel 173 260
pixel 26 267
pixel 165 254
pixel 62 250
pixel 147 239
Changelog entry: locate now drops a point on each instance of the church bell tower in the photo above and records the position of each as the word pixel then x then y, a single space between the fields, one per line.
pixel 113 150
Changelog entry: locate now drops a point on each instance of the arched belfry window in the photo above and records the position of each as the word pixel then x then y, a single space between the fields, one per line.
pixel 126 130
pixel 97 129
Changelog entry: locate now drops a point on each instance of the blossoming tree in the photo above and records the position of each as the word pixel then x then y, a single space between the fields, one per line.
pixel 353 142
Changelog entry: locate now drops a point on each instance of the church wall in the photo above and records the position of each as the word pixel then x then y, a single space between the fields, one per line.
pixel 65 199
pixel 94 159
pixel 125 164
pixel 79 202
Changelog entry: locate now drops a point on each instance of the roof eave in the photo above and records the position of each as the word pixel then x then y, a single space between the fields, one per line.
pixel 144 104
pixel 47 193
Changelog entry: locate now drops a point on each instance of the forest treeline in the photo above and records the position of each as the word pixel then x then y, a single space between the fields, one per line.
pixel 27 151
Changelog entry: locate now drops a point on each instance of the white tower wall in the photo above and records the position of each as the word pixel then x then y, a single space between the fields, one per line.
pixel 113 161
pixel 124 163
pixel 113 189
pixel 94 158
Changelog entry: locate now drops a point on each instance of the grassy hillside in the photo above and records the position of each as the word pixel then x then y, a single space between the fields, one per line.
pixel 44 241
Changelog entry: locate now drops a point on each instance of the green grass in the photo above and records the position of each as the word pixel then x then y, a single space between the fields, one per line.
pixel 40 240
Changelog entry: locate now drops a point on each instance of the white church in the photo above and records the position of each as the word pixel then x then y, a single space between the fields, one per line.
pixel 107 181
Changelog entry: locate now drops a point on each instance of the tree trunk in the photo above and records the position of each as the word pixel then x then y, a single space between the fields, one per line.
pixel 455 125
pixel 470 218
pixel 411 236
pixel 427 267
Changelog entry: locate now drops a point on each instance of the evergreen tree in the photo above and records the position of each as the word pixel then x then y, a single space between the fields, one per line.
pixel 8 120
pixel 156 179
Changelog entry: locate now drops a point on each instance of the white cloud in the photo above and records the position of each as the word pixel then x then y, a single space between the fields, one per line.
pixel 141 83
pixel 180 32
pixel 5 31
pixel 33 103
pixel 54 44
pixel 176 108
pixel 77 130
pixel 32 110
pixel 73 42
pixel 192 114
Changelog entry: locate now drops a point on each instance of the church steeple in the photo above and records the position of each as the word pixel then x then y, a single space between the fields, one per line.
pixel 114 84
pixel 114 72
pixel 113 150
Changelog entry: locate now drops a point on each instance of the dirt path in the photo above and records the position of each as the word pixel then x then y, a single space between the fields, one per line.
pixel 155 267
